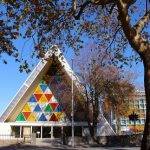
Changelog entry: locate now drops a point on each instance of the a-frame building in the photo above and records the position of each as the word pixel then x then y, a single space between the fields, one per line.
pixel 43 103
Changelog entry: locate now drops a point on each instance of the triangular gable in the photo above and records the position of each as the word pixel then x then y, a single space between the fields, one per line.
pixel 29 97
pixel 31 81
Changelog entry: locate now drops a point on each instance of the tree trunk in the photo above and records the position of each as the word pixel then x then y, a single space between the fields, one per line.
pixel 146 136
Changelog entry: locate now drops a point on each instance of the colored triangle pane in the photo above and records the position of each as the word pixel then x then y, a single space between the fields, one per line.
pixel 32 117
pixel 53 118
pixel 20 117
pixel 42 82
pixel 48 96
pixel 43 87
pixel 42 106
pixel 26 108
pixel 59 108
pixel 32 99
pixel 38 96
pixel 37 108
pixel 32 105
pixel 58 78
pixel 42 118
pixel 53 105
pixel 54 100
pixel 48 108
pixel 59 115
pixel 62 117
pixel 26 114
pixel 47 115
pixel 43 99
pixel 38 114
pixel 38 90
pixel 48 91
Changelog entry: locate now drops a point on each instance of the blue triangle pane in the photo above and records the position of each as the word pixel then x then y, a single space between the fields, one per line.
pixel 42 118
pixel 37 108
pixel 58 78
pixel 32 99
pixel 59 108
pixel 43 87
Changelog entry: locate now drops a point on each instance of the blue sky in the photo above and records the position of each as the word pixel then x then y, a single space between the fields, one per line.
pixel 11 79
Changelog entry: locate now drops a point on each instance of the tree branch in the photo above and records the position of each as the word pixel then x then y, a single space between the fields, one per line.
pixel 74 6
pixel 142 22
pixel 102 2
pixel 114 37
pixel 136 40
pixel 82 7
pixel 94 2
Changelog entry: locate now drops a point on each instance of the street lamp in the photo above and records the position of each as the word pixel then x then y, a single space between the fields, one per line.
pixel 72 107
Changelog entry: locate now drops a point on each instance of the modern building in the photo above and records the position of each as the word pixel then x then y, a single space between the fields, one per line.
pixel 138 105
pixel 43 104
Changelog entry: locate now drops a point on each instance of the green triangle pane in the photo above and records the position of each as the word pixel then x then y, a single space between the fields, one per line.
pixel 42 82
pixel 48 108
pixel 20 117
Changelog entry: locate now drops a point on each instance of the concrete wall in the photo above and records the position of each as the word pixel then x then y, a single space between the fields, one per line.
pixel 5 130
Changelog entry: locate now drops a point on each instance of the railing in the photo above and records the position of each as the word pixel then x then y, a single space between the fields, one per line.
pixel 9 139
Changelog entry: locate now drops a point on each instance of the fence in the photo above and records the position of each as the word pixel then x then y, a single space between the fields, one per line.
pixel 9 139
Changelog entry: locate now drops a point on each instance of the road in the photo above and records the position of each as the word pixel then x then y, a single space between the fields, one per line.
pixel 31 147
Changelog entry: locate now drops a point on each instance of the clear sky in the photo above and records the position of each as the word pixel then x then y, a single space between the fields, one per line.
pixel 11 79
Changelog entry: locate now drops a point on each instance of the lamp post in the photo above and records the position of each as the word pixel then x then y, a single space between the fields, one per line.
pixel 72 107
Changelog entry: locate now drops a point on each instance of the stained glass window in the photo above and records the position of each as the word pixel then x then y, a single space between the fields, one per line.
pixel 41 106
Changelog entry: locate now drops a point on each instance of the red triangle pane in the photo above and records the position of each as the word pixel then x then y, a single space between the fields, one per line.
pixel 38 96
pixel 53 118
pixel 26 114
pixel 53 105
pixel 48 96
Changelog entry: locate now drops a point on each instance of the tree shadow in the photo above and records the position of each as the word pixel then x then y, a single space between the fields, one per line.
pixel 30 147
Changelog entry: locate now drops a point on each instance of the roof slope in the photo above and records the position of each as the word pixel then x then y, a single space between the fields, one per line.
pixel 38 71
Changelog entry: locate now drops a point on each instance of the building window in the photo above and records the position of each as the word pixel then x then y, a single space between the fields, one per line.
pixel 142 106
pixel 141 101
pixel 123 121
pixel 142 121
pixel 142 111
pixel 138 121
pixel 131 122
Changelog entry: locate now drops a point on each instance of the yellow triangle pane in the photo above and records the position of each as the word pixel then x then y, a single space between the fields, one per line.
pixel 26 108
pixel 59 115
pixel 43 99
pixel 32 117
pixel 38 90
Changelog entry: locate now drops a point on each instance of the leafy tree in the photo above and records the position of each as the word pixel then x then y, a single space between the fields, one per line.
pixel 112 24
pixel 102 82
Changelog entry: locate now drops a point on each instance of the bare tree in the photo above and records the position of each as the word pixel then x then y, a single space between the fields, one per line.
pixel 101 81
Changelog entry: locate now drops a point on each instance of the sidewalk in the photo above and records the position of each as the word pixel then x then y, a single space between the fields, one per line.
pixel 31 147
pixel 58 146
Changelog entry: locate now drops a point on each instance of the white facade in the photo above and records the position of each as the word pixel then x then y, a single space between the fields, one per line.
pixel 5 130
